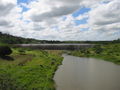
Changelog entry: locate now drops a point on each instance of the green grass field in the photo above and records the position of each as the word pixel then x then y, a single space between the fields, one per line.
pixel 29 70
pixel 109 52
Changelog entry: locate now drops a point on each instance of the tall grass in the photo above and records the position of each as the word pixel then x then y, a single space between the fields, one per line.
pixel 35 73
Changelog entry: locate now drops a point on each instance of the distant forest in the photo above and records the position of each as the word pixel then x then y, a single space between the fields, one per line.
pixel 9 39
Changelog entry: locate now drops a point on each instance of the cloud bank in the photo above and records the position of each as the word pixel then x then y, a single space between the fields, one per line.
pixel 55 19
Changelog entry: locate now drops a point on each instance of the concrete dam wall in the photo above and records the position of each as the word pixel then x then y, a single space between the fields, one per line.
pixel 56 46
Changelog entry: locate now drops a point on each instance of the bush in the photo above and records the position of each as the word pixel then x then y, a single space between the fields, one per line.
pixel 5 50
pixel 22 52
pixel 98 49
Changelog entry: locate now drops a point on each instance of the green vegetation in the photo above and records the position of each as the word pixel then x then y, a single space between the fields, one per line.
pixel 9 39
pixel 94 42
pixel 109 52
pixel 27 69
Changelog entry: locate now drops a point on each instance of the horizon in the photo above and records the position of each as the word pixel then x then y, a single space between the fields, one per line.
pixel 61 20
pixel 61 40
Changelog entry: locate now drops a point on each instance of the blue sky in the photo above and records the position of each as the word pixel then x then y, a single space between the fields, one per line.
pixel 82 21
pixel 80 11
pixel 24 1
pixel 19 2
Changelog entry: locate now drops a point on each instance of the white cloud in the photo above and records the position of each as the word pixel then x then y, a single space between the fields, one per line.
pixel 106 13
pixel 105 18
pixel 6 6
pixel 46 9
pixel 44 19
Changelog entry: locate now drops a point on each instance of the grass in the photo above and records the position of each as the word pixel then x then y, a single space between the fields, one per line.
pixel 31 70
pixel 110 52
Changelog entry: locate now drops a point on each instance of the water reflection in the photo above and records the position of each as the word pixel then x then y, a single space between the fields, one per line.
pixel 87 74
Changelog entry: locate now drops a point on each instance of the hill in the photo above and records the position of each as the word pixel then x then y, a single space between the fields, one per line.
pixel 9 39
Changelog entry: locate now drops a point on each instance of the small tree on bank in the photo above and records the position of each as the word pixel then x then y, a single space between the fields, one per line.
pixel 5 50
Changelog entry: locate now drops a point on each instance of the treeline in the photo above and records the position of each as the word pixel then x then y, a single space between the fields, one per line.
pixel 95 42
pixel 9 39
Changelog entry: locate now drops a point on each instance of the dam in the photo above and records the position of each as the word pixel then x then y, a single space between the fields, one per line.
pixel 56 46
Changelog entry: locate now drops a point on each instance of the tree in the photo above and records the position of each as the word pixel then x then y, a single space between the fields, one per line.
pixel 5 50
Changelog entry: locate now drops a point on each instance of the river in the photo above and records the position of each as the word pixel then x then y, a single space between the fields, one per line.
pixel 78 73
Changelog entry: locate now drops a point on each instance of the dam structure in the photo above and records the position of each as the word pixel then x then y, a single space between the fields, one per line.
pixel 56 46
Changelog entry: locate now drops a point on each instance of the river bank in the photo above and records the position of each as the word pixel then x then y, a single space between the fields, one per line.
pixel 109 52
pixel 27 69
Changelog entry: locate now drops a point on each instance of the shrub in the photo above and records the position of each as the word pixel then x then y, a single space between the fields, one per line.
pixel 22 52
pixel 98 49
pixel 5 50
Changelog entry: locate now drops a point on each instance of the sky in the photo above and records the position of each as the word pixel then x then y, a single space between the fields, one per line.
pixel 78 20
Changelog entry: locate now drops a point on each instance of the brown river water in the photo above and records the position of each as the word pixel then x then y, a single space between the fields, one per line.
pixel 78 73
